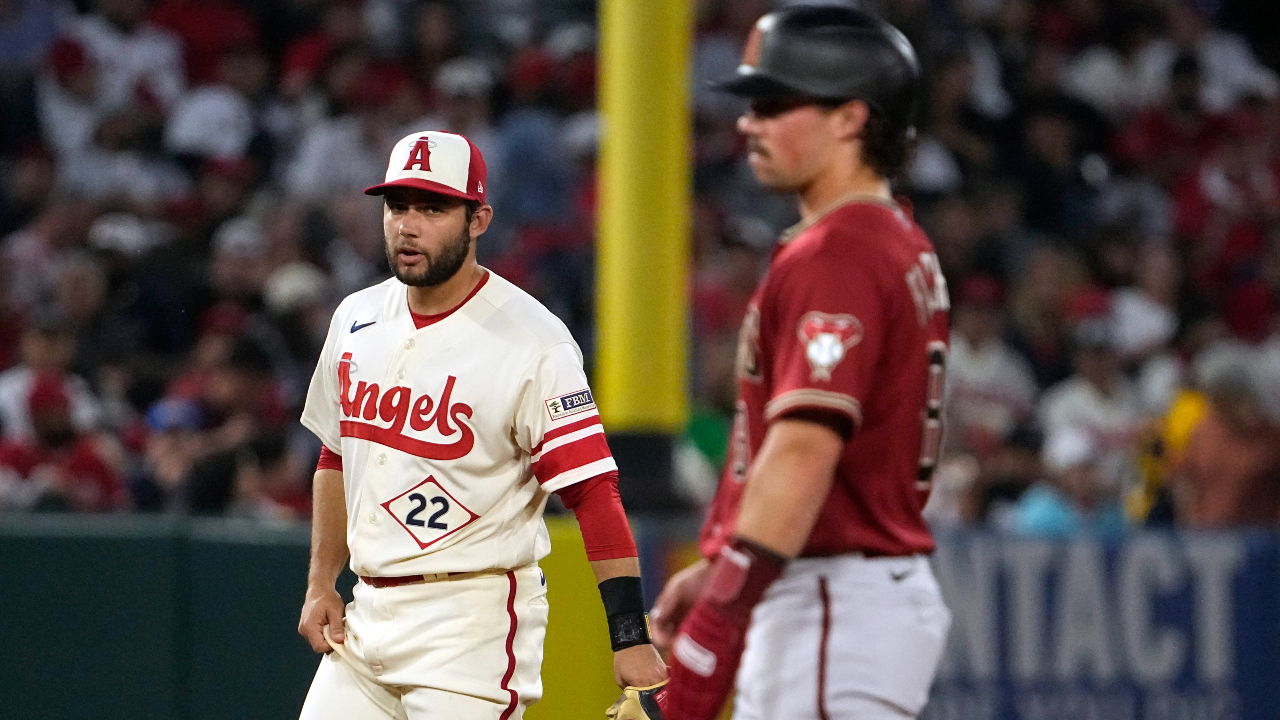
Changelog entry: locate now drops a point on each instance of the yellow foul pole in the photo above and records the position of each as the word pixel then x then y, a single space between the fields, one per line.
pixel 645 187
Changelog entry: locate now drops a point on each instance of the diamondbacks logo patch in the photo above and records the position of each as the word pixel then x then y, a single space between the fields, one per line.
pixel 571 404
pixel 826 338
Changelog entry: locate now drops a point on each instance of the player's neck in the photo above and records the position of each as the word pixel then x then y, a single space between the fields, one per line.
pixel 836 183
pixel 448 294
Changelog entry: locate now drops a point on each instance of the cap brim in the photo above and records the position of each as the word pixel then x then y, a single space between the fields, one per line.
pixel 418 184
pixel 751 83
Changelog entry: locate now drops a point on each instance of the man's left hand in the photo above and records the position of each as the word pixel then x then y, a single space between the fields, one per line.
pixel 638 666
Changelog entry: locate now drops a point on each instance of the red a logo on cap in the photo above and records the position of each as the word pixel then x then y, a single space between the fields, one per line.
pixel 420 155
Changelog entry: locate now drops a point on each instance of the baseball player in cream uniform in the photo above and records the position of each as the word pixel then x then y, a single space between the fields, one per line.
pixel 451 404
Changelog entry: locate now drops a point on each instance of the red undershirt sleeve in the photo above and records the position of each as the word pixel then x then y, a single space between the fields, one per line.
pixel 329 460
pixel 598 507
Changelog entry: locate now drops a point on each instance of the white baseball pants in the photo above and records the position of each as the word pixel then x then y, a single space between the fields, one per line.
pixel 459 649
pixel 844 638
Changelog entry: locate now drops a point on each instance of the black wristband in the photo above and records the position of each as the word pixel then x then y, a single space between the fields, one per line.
pixel 624 606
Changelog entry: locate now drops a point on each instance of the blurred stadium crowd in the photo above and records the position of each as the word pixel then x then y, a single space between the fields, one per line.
pixel 181 209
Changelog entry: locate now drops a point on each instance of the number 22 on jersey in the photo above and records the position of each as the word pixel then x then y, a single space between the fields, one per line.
pixel 428 512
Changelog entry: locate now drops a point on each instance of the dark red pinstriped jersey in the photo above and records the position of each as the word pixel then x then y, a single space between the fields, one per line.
pixel 851 318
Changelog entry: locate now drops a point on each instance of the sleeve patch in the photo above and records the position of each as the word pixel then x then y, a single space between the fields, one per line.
pixel 571 404
pixel 825 338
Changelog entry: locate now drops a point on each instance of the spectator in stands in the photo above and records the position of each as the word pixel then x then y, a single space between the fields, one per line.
pixel 464 87
pixel 67 98
pixel 966 132
pixel 1169 139
pixel 31 251
pixel 1039 86
pixel 1057 197
pixel 171 447
pixel 990 389
pixel 47 347
pixel 1145 313
pixel 1098 399
pixel 138 63
pixel 241 399
pixel 954 228
pixel 82 296
pixel 238 268
pixel 220 119
pixel 343 153
pixel 1229 473
pixel 1223 209
pixel 56 467
pixel 1125 73
pixel 1231 71
pixel 1074 498
pixel 208 30
pixel 534 189
pixel 1039 313
pixel 433 39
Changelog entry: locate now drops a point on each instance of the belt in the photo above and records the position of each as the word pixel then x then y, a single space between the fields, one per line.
pixel 384 581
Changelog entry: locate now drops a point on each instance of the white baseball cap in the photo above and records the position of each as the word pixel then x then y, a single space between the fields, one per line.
pixel 438 162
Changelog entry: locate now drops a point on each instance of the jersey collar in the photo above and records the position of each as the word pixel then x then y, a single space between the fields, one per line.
pixel 854 197
pixel 421 321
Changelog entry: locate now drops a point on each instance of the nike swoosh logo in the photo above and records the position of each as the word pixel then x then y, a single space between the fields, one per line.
pixel 355 327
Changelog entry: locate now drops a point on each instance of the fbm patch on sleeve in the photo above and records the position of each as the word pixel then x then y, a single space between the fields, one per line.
pixel 571 404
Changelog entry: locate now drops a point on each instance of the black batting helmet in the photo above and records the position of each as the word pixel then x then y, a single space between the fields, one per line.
pixel 831 53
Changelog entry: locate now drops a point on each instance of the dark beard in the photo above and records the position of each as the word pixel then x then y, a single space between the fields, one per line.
pixel 440 267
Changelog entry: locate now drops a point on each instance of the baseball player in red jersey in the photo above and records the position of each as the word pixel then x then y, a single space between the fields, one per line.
pixel 451 404
pixel 816 591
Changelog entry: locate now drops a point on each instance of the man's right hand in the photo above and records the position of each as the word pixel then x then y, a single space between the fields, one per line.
pixel 674 602
pixel 323 606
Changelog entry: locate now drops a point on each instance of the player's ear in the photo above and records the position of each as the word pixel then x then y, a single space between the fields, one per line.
pixel 480 220
pixel 849 119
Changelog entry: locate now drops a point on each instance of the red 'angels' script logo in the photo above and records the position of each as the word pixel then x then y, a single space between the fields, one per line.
pixel 397 406
pixel 420 155
pixel 826 337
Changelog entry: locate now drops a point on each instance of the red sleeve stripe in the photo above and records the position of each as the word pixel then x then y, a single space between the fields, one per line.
pixel 555 432
pixel 569 439
pixel 578 474
pixel 556 461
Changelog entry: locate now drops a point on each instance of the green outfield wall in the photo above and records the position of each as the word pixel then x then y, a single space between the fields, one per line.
pixel 142 618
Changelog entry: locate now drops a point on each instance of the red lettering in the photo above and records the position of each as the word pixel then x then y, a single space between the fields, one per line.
pixel 344 383
pixel 430 451
pixel 371 406
pixel 418 420
pixel 441 417
pixel 394 407
pixel 420 155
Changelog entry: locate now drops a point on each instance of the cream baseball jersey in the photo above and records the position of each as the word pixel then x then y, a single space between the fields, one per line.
pixel 452 435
